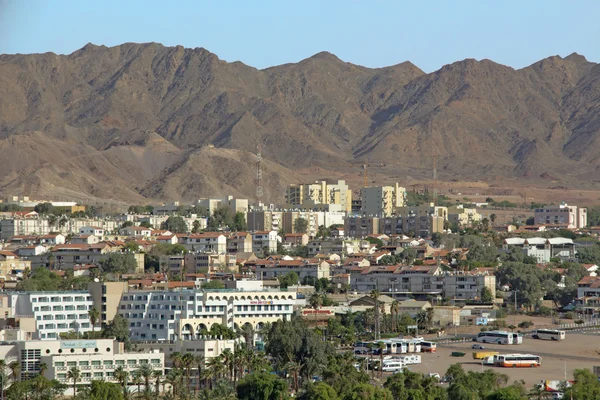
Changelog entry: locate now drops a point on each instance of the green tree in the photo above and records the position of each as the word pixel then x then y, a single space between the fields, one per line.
pixel 223 217
pixel 301 225
pixel 262 386
pixel 589 255
pixel 319 391
pixel 118 328
pixel 94 315
pixel 365 391
pixel 586 386
pixel 196 226
pixel 100 390
pixel 175 224
pixel 119 263
pixel 44 208
pixel 486 295
pixel 239 222
pixel 213 284
pixel 289 279
pixel 413 385
pixel 74 375
pixel 436 238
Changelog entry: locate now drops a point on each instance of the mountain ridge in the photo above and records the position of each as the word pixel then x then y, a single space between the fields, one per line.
pixel 149 108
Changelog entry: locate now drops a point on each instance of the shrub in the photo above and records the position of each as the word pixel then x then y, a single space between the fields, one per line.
pixel 568 315
pixel 579 321
pixel 525 324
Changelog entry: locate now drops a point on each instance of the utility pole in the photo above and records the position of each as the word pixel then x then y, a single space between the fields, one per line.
pixel 435 178
pixel 515 316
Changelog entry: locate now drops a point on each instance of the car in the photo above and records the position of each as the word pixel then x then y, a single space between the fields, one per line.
pixel 478 346
pixel 435 375
pixel 419 338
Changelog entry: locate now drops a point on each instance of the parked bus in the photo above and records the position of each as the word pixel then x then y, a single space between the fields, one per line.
pixel 499 337
pixel 517 338
pixel 518 360
pixel 548 334
pixel 362 347
pixel 480 355
pixel 428 347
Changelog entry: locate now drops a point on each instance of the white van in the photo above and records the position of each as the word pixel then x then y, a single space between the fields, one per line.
pixel 392 366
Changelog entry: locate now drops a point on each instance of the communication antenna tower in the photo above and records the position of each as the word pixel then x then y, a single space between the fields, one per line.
pixel 259 187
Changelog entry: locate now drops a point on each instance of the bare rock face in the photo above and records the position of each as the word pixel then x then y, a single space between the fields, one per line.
pixel 144 121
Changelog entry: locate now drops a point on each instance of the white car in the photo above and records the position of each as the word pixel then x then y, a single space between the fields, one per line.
pixel 419 338
pixel 477 346
pixel 435 375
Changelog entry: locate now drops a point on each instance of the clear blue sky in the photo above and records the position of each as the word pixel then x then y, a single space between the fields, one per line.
pixel 265 33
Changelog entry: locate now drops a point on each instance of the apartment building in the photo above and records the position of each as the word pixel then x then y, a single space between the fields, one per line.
pixel 336 246
pixel 206 348
pixel 54 312
pixel 106 297
pixel 203 263
pixel 239 242
pixel 137 231
pixel 543 249
pixel 23 226
pixel 575 217
pixel 263 220
pixel 95 359
pixel 468 285
pixel 420 280
pixel 268 269
pixel 423 220
pixel 67 256
pixel 212 242
pixel 308 195
pixel 381 201
pixel 10 263
pixel 170 315
pixel 360 227
pixel 463 216
pixel 289 220
pixel 264 240
pixel 589 286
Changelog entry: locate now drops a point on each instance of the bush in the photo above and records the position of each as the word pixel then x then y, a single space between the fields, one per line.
pixel 544 311
pixel 568 315
pixel 525 324
pixel 579 321
pixel 483 329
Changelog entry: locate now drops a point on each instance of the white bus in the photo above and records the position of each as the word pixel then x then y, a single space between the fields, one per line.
pixel 518 360
pixel 428 347
pixel 499 337
pixel 392 366
pixel 548 334
pixel 517 338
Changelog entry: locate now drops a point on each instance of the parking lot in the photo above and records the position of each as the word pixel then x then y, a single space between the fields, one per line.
pixel 575 352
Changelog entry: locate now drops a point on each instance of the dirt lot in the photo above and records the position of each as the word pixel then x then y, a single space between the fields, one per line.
pixel 575 352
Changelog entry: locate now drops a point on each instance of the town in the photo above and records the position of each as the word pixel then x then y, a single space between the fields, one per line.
pixel 175 298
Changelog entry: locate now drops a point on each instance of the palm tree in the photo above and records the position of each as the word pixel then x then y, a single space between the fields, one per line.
pixel 3 377
pixel 15 369
pixel 493 218
pixel 187 362
pixel 137 380
pixel 199 362
pixel 375 296
pixel 381 346
pixel 293 368
pixel 173 378
pixel 144 372
pixel 74 374
pixel 226 357
pixel 121 376
pixel 395 311
pixel 157 375
pixel 94 315
pixel 43 368
pixel 315 301
pixel 371 346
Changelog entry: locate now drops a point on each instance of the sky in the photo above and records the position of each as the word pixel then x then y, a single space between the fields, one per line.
pixel 264 33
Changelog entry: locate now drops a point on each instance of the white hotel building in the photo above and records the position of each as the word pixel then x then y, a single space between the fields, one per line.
pixel 54 312
pixel 187 314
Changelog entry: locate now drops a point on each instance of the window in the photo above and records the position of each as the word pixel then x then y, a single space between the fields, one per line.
pixel 98 374
pixel 155 361
pixel 84 363
pixel 96 362
pixel 59 364
pixel 61 376
pixel 131 362
pixel 71 363
pixel 119 362
pixel 107 362
pixel 143 361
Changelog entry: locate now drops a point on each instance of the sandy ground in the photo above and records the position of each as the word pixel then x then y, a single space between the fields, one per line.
pixel 577 351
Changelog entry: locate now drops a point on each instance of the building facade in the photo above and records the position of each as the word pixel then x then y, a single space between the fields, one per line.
pixel 575 217
pixel 381 201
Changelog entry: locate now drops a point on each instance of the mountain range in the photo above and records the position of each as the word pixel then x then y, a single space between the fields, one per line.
pixel 141 122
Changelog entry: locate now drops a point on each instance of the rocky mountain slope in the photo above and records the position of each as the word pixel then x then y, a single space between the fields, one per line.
pixel 139 121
